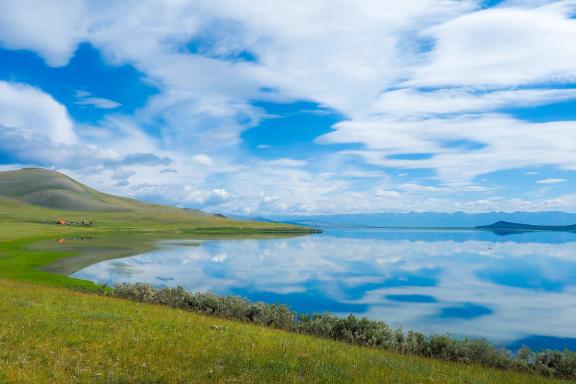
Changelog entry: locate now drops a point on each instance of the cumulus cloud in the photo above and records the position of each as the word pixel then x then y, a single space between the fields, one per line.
pixel 26 107
pixel 51 28
pixel 26 146
pixel 188 195
pixel 431 78
pixel 503 46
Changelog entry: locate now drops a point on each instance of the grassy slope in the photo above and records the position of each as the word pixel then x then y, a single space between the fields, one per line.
pixel 59 336
pixel 31 200
pixel 55 190
pixel 18 220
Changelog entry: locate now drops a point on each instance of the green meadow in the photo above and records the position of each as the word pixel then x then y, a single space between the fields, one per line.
pixel 54 335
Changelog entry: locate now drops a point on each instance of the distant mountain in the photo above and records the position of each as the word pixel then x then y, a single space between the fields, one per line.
pixel 51 189
pixel 508 227
pixel 428 219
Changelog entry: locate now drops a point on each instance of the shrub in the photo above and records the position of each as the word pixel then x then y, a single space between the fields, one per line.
pixel 230 307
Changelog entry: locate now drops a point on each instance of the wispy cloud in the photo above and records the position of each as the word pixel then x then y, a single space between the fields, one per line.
pixel 551 181
pixel 86 98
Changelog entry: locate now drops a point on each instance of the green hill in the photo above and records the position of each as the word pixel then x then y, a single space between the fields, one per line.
pixel 32 200
pixel 51 189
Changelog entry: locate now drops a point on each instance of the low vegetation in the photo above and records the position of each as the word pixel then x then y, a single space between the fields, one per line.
pixel 54 335
pixel 353 330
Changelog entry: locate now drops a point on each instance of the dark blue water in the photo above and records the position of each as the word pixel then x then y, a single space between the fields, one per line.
pixel 515 289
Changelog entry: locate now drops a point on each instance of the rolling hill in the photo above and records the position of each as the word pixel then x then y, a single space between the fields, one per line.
pixel 32 200
pixel 54 190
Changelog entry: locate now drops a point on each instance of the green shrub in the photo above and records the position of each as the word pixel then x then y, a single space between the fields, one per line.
pixel 230 307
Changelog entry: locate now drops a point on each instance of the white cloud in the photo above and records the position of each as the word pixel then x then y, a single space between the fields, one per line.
pixel 421 188
pixel 364 59
pixel 498 142
pixel 99 102
pixel 337 54
pixel 551 181
pixel 287 163
pixel 122 173
pixel 85 98
pixel 23 107
pixel 410 102
pixel 503 46
pixel 203 160
pixel 387 194
pixel 51 28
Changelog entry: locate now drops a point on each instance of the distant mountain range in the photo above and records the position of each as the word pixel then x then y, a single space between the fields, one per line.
pixel 426 219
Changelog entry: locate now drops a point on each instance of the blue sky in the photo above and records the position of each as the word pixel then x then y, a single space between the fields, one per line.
pixel 256 107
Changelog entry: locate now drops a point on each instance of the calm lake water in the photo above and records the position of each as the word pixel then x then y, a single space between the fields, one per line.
pixel 514 289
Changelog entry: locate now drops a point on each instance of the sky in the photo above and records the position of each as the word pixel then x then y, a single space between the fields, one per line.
pixel 303 107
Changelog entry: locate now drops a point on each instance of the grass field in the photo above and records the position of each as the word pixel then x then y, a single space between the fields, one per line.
pixel 52 335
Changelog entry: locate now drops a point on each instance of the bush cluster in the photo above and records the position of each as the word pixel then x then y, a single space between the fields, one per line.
pixel 229 307
pixel 354 330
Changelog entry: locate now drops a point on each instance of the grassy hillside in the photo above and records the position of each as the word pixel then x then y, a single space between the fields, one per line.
pixel 58 336
pixel 32 200
pixel 19 220
pixel 51 189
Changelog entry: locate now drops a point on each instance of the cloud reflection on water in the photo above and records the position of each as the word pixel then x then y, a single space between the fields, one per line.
pixel 499 288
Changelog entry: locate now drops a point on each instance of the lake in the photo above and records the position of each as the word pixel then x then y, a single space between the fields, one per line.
pixel 513 290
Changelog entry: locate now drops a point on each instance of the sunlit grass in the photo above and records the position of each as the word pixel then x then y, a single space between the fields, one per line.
pixel 51 335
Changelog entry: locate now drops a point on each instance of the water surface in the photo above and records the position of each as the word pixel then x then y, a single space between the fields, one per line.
pixel 516 289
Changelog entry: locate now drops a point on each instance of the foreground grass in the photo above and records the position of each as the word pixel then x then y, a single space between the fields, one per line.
pixel 51 335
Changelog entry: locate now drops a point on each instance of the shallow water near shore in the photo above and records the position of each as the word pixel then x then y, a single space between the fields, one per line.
pixel 518 289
